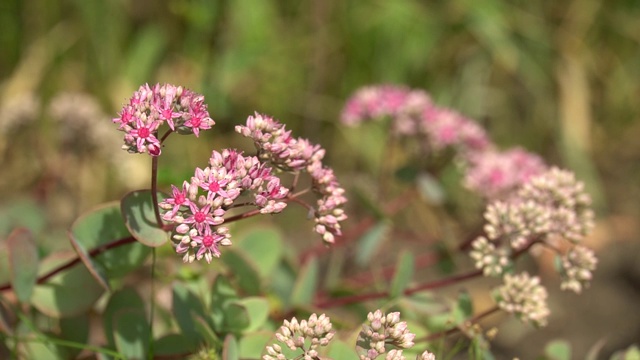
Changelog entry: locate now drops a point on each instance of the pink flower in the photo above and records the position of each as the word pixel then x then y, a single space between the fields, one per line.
pixel 150 107
pixel 207 244
pixel 495 174
pixel 179 198
pixel 202 218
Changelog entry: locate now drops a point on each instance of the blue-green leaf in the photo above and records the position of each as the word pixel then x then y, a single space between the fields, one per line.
pixel 404 273
pixel 139 217
pixel 304 289
pixel 371 241
pixel 558 350
pixel 23 260
pixel 186 306
pixel 131 333
pixel 119 301
pixel 230 348
pixel 265 247
pixel 95 269
pixel 244 269
pixel 58 296
pixel 103 226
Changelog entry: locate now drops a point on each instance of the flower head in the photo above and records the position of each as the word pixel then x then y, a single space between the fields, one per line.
pixel 305 335
pixel 524 297
pixel 276 146
pixel 149 107
pixel 198 208
pixel 497 174
pixel 577 267
pixel 382 330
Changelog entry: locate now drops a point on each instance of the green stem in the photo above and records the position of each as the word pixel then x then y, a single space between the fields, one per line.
pixel 42 338
pixel 153 303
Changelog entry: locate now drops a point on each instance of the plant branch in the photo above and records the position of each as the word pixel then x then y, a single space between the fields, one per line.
pixel 382 294
pixel 456 329
pixel 69 264
pixel 154 190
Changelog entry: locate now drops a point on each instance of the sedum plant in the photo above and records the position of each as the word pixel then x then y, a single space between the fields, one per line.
pixel 236 285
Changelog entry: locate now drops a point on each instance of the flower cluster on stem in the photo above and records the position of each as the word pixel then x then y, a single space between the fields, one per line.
pixel 181 109
pixel 523 296
pixel 382 331
pixel 413 113
pixel 276 146
pixel 198 207
pixel 305 335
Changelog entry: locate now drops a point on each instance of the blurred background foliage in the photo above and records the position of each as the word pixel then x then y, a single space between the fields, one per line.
pixel 560 78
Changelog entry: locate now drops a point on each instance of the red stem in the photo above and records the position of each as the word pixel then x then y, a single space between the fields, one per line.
pixel 456 329
pixel 95 252
pixel 382 294
pixel 154 190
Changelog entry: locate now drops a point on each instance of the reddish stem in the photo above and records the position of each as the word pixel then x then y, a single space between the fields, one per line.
pixel 154 190
pixel 382 294
pixel 456 329
pixel 95 252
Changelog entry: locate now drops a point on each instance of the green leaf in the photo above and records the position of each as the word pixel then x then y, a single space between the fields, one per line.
pixel 22 213
pixel 131 333
pixel 172 345
pixel 186 305
pixel 404 272
pixel 139 217
pixel 244 269
pixel 222 294
pixel 258 311
pixel 236 317
pixel 230 348
pixel 304 289
pixel 204 329
pixel 23 261
pixel 341 350
pixel 97 271
pixel 558 350
pixel 370 242
pixel 44 351
pixel 103 226
pixel 264 247
pixel 60 295
pixel 463 309
pixel 252 344
pixel 284 279
pixel 75 329
pixel 126 298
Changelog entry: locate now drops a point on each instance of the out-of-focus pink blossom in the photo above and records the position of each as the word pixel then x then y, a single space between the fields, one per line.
pixel 494 174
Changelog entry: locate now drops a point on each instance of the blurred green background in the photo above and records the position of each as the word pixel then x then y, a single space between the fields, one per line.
pixel 559 78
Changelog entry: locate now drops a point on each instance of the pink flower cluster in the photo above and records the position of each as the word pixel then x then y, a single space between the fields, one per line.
pixel 149 107
pixel 488 172
pixel 276 146
pixel 198 208
pixel 414 114
pixel 496 174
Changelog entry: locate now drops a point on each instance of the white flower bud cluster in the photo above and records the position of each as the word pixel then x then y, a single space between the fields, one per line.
pixel 524 297
pixel 568 204
pixel 549 207
pixel 381 331
pixel 493 261
pixel 577 267
pixel 294 334
pixel 516 222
